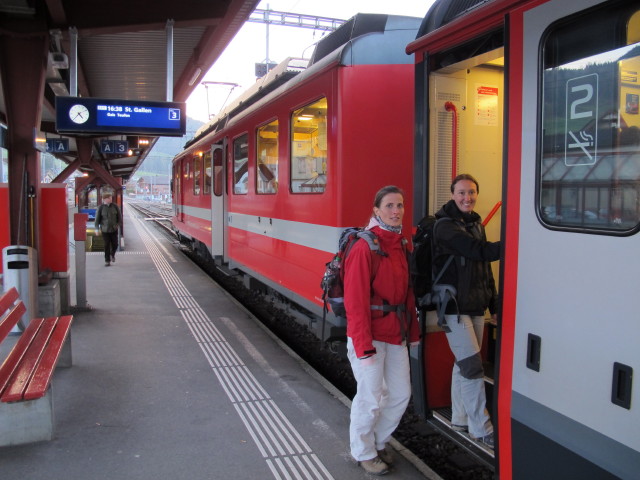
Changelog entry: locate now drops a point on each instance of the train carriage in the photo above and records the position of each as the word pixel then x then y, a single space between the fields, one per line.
pixel 267 186
pixel 539 100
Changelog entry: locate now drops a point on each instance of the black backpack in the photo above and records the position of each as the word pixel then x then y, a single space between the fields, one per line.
pixel 332 283
pixel 421 259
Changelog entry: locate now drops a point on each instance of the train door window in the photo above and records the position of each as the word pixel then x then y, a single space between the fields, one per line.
pixel 218 172
pixel 589 156
pixel 197 161
pixel 241 164
pixel 267 158
pixel 176 179
pixel 186 171
pixel 309 148
pixel 206 173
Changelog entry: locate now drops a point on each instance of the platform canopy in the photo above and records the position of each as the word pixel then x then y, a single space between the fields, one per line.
pixel 121 54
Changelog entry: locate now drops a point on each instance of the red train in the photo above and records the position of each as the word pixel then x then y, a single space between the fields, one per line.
pixel 268 185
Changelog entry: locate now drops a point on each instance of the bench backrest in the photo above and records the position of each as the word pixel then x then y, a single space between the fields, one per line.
pixel 11 311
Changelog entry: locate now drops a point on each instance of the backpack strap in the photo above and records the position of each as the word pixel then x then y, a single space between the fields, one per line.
pixel 400 309
pixel 442 270
pixel 372 240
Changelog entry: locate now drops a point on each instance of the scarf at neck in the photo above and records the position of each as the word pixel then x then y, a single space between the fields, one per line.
pixel 376 221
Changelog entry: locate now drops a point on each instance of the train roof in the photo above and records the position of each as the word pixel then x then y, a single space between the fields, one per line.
pixel 362 25
pixel 443 12
pixel 356 42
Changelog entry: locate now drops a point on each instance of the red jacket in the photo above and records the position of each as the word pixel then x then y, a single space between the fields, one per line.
pixel 391 284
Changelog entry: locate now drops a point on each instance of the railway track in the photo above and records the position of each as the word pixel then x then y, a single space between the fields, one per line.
pixel 433 446
pixel 158 213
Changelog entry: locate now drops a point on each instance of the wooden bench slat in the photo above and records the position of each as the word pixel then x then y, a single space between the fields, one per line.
pixel 7 301
pixel 42 376
pixel 17 353
pixel 11 319
pixel 21 377
pixel 8 298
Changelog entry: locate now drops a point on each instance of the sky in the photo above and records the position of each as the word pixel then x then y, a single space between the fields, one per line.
pixel 237 63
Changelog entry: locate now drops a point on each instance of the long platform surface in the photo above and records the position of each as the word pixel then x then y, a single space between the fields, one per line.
pixel 172 379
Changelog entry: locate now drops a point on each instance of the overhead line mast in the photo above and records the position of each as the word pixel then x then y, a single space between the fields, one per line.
pixel 272 17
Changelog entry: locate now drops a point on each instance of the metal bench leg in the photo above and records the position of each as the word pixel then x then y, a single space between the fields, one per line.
pixel 27 422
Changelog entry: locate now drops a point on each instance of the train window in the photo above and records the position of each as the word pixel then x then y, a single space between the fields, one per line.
pixel 267 158
pixel 218 171
pixel 309 148
pixel 589 166
pixel 197 160
pixel 206 170
pixel 176 181
pixel 241 164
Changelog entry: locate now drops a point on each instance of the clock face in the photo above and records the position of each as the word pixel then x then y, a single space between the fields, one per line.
pixel 78 113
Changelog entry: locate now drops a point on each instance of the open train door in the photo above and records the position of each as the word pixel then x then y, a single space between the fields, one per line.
pixel 218 201
pixel 460 99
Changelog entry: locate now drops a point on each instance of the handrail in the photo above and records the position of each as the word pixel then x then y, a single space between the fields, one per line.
pixel 492 213
pixel 450 107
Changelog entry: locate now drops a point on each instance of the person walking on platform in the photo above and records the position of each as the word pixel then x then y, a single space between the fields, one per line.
pixel 381 314
pixel 108 220
pixel 461 244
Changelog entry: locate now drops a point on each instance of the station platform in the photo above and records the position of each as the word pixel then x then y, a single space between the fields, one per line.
pixel 173 379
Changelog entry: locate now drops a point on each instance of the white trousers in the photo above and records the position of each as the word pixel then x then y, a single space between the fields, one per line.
pixel 384 389
pixel 468 397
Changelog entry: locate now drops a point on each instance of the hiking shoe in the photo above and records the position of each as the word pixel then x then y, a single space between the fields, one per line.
pixel 386 456
pixel 487 440
pixel 375 466
pixel 459 428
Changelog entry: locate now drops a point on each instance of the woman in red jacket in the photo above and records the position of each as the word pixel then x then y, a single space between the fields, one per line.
pixel 381 324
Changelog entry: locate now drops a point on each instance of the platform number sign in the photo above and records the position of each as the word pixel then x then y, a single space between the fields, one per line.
pixel 581 123
pixel 114 147
pixel 57 145
pixel 120 147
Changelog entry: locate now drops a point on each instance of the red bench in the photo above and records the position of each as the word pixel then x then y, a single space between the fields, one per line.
pixel 26 404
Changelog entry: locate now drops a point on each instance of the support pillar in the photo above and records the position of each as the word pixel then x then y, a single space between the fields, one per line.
pixel 23 69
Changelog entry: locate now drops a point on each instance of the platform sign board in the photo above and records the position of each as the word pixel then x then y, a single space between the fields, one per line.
pixel 109 116
pixel 107 146
pixel 121 147
pixel 114 147
pixel 57 145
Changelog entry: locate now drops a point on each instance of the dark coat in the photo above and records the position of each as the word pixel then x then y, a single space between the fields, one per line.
pixel 470 272
pixel 108 218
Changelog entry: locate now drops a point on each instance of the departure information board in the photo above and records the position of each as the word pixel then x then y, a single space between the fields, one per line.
pixel 96 115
